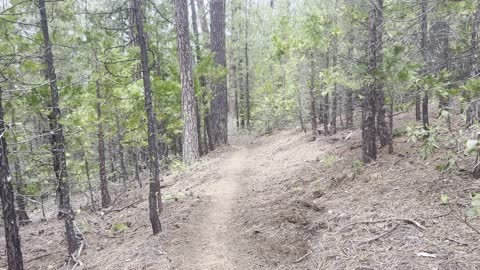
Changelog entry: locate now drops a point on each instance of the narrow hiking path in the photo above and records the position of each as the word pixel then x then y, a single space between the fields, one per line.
pixel 212 236
pixel 234 222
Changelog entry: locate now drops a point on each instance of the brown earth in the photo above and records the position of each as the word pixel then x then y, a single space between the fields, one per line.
pixel 281 202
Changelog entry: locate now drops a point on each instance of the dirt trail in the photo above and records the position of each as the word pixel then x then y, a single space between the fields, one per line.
pixel 211 233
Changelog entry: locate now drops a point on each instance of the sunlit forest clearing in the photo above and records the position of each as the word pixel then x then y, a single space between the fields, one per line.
pixel 240 134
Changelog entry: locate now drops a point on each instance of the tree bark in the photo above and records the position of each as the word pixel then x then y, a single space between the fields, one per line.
pixel 382 124
pixel 137 167
pixel 423 47
pixel 190 151
pixel 333 123
pixel 89 182
pixel 198 54
pixel 57 139
pixel 121 152
pixel 311 91
pixel 418 107
pixel 106 200
pixel 203 22
pixel 369 132
pixel 326 114
pixel 234 66
pixel 12 236
pixel 247 69
pixel 300 112
pixel 23 218
pixel 207 133
pixel 218 117
pixel 154 198
pixel 474 43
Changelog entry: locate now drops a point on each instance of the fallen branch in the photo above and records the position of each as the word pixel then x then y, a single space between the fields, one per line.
pixel 122 208
pixel 470 225
pixel 303 257
pixel 77 259
pixel 406 220
pixel 42 256
pixel 456 241
pixel 380 236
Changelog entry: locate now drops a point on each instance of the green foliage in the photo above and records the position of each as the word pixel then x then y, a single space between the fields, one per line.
pixel 427 137
pixel 119 228
pixel 330 160
pixel 474 210
pixel 444 198
pixel 357 166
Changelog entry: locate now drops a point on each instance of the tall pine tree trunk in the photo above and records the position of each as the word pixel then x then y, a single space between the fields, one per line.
pixel 207 133
pixel 369 132
pixel 154 197
pixel 234 66
pixel 382 124
pixel 202 142
pixel 106 200
pixel 57 140
pixel 190 150
pixel 218 117
pixel 12 236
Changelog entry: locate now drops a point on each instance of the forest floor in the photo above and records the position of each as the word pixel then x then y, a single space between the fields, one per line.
pixel 280 201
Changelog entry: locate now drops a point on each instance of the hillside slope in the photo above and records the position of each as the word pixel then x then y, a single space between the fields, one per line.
pixel 280 202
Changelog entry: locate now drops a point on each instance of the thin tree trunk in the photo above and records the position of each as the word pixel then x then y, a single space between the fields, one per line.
pixel 236 103
pixel 121 152
pixel 418 108
pixel 474 43
pixel 313 106
pixel 12 236
pixel 423 47
pixel 300 113
pixel 234 67
pixel 333 124
pixel 207 133
pixel 23 218
pixel 89 182
pixel 247 69
pixel 198 54
pixel 382 125
pixel 58 141
pixel 190 150
pixel 242 98
pixel 326 114
pixel 137 167
pixel 390 142
pixel 154 198
pixel 106 200
pixel 113 172
pixel 349 109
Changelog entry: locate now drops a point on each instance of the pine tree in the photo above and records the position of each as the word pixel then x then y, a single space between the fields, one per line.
pixel 190 151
